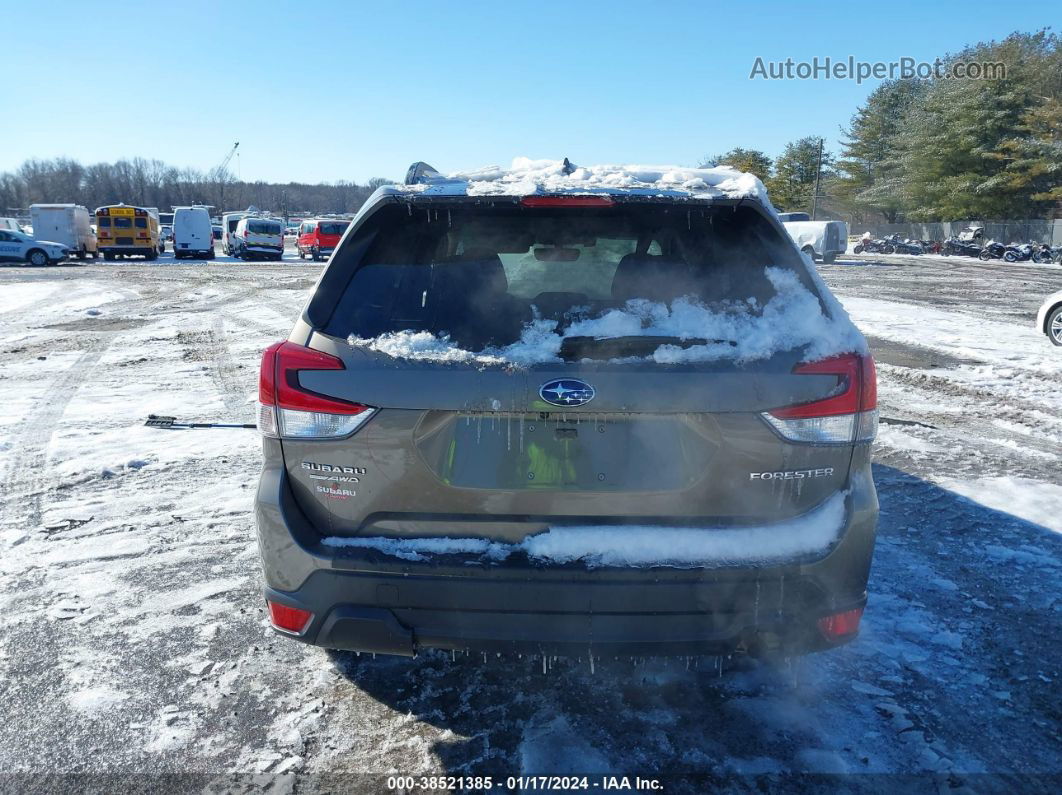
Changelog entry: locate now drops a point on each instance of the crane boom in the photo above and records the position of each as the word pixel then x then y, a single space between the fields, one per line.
pixel 221 167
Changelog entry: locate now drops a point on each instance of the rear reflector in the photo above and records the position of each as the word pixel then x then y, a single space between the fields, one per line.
pixel 566 201
pixel 848 414
pixel 287 409
pixel 293 620
pixel 841 625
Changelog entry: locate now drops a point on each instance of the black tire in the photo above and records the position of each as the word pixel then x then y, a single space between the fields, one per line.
pixel 315 254
pixel 1054 325
pixel 154 255
pixel 888 250
pixel 81 253
pixel 829 259
pixel 37 257
pixel 1010 256
pixel 858 249
pixel 108 256
pixel 984 255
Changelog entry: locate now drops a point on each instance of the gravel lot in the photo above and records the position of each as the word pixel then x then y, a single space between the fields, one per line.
pixel 135 641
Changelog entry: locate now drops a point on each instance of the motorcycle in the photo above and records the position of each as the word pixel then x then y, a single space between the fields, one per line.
pixel 1045 255
pixel 905 246
pixel 1021 252
pixel 883 246
pixel 992 250
pixel 930 246
pixel 960 248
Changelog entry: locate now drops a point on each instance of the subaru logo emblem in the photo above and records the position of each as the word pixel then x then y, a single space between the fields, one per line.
pixel 566 392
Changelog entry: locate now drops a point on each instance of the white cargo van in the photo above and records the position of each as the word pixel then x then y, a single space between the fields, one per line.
pixel 228 231
pixel 818 239
pixel 193 234
pixel 259 238
pixel 67 224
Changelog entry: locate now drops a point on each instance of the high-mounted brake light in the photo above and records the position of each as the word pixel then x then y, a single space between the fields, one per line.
pixel 288 409
pixel 849 414
pixel 293 620
pixel 567 201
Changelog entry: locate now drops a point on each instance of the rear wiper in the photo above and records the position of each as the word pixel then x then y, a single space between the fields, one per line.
pixel 575 348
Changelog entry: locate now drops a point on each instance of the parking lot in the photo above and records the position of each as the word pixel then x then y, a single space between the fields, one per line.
pixel 135 639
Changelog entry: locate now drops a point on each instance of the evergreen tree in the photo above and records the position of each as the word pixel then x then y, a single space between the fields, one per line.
pixel 751 160
pixel 793 182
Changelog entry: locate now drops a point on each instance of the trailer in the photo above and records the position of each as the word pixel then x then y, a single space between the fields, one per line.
pixel 67 224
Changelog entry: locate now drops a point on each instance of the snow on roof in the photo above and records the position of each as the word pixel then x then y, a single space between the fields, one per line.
pixel 527 177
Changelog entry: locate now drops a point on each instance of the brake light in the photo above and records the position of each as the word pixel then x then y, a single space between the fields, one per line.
pixel 848 415
pixel 293 620
pixel 567 201
pixel 841 625
pixel 287 409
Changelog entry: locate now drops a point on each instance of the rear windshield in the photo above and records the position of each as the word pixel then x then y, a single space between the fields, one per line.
pixel 263 227
pixel 480 275
pixel 333 227
pixel 123 222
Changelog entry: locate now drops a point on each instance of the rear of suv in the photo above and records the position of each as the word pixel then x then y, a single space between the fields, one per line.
pixel 317 238
pixel 565 410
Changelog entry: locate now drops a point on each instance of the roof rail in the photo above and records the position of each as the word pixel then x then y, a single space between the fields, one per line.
pixel 421 172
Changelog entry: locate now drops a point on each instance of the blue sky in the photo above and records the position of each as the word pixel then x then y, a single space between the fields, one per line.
pixel 348 90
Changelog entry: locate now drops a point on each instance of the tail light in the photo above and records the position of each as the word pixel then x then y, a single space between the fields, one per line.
pixel 293 620
pixel 287 409
pixel 847 415
pixel 841 625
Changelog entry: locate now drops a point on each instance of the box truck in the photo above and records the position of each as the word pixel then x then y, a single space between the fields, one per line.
pixel 67 224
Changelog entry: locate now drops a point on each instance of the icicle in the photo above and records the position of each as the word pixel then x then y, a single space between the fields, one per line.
pixel 543 664
pixel 591 664
pixel 453 655
pixel 449 221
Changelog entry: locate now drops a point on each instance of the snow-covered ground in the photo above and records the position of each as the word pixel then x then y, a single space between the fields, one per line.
pixel 134 638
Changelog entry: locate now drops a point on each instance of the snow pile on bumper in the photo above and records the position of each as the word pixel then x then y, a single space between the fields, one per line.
pixel 639 546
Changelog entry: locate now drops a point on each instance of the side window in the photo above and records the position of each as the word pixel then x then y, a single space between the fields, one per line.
pixel 141 223
pixel 5 237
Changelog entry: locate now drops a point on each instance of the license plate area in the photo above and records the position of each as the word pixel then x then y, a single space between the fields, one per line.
pixel 578 452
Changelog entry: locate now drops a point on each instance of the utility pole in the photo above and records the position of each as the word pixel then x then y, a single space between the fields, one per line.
pixel 818 174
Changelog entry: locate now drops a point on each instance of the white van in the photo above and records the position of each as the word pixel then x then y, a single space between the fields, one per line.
pixel 10 224
pixel 259 238
pixel 193 235
pixel 818 239
pixel 67 224
pixel 228 231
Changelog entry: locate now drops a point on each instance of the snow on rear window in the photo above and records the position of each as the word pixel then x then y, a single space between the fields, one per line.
pixel 511 286
pixel 745 331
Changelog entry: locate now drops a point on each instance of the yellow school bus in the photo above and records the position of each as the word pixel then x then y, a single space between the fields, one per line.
pixel 124 231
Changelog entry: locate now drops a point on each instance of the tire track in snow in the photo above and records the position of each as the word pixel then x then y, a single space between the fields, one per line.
pixel 24 475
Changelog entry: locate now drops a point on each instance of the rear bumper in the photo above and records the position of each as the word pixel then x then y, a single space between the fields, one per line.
pixel 367 601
